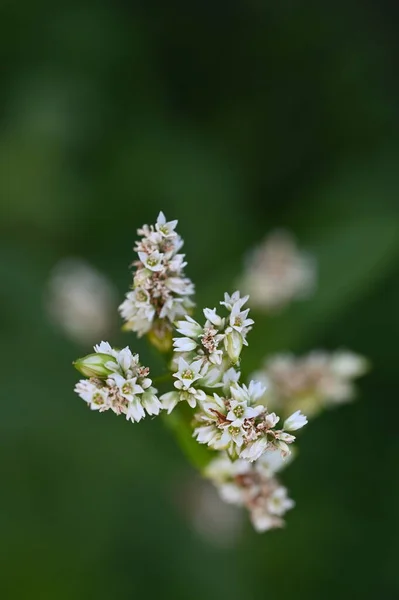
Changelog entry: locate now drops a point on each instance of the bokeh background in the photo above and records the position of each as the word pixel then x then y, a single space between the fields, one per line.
pixel 236 118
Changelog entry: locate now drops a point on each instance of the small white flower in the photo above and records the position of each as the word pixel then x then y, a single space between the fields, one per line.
pixel 184 344
pixel 187 374
pixel 170 400
pixel 135 411
pixel 253 486
pixel 278 502
pixel 277 272
pixel 238 319
pixel 212 316
pixel 230 377
pixel 311 382
pixel 348 365
pixel 295 421
pixel 153 261
pixel 272 461
pixel 80 301
pixel 166 229
pixel 234 300
pixel 105 348
pixel 189 328
pixel 150 401
pixel 128 388
pixel 254 450
pixel 272 419
pixel 96 397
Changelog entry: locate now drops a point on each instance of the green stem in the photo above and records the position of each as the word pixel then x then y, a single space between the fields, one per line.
pixel 179 422
pixel 166 378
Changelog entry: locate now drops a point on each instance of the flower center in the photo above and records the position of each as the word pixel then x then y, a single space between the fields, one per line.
pixel 152 262
pixel 98 399
pixel 141 296
pixel 238 411
pixel 126 388
pixel 234 430
pixel 187 374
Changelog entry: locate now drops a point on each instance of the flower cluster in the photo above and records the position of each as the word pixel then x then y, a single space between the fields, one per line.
pixel 161 292
pixel 117 382
pixel 311 382
pixel 277 272
pixel 243 427
pixel 232 419
pixel 205 354
pixel 235 421
pixel 254 486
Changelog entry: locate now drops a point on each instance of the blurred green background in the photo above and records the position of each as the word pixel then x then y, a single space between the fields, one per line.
pixel 234 117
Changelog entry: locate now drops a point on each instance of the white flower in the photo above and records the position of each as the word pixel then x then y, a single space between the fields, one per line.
pixel 234 300
pixel 169 400
pixel 254 450
pixel 272 461
pixel 348 365
pixel 153 261
pixel 212 316
pixel 187 377
pixel 272 419
pixel 230 377
pixel 238 319
pixel 166 229
pixel 187 374
pixel 96 398
pixel 150 401
pixel 184 344
pixel 277 272
pixel 128 388
pixel 135 411
pixel 278 502
pixel 239 411
pixel 189 328
pixel 295 421
pixel 311 382
pixel 80 301
pixel 105 348
pixel 253 486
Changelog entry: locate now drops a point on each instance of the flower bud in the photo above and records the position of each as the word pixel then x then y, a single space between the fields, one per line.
pixel 94 365
pixel 233 344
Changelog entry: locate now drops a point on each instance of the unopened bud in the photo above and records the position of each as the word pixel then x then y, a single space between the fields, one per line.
pixel 94 365
pixel 233 344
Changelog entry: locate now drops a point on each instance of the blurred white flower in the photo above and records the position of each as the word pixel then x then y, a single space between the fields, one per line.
pixel 253 486
pixel 81 301
pixel 310 383
pixel 277 272
pixel 216 522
